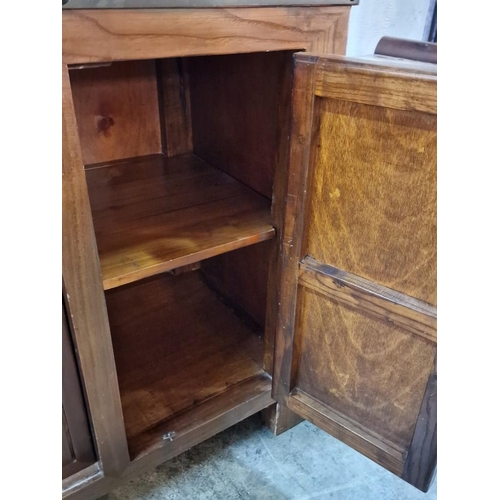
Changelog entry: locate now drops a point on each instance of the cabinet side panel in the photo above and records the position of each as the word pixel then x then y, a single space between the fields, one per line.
pixel 85 300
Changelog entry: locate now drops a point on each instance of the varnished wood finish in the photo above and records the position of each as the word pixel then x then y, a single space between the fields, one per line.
pixel 106 35
pixel 389 91
pixel 117 111
pixel 241 276
pixel 303 103
pixel 208 419
pixel 279 418
pixel 368 370
pixel 85 300
pixel 377 192
pixel 175 106
pixel 420 463
pixel 177 346
pixel 155 214
pixel 77 449
pixel 236 102
pixel 374 299
pixel 348 430
pixel 356 325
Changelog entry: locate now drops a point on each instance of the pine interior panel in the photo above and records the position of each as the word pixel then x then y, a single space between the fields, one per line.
pixel 154 214
pixel 179 349
pixel 116 108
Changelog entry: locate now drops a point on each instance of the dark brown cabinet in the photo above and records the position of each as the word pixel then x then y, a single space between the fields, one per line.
pixel 246 228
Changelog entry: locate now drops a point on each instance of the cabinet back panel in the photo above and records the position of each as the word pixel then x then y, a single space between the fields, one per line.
pixel 241 276
pixel 235 103
pixel 117 111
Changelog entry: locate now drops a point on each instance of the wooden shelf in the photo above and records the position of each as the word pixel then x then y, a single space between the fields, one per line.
pixel 183 359
pixel 153 214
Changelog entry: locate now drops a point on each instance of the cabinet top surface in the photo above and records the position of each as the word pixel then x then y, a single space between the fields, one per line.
pixel 151 4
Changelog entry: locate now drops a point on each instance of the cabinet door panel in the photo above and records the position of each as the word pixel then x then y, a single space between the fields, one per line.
pixel 77 447
pixel 356 339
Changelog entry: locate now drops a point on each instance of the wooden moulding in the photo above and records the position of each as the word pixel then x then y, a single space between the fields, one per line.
pixel 406 312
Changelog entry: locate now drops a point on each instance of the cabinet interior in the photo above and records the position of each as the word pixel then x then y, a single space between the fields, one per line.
pixel 182 158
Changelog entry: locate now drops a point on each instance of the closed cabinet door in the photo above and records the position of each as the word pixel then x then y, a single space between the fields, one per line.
pixel 356 336
pixel 77 447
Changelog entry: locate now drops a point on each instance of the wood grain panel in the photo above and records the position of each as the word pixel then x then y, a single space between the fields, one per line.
pixel 293 220
pixel 235 101
pixel 386 87
pixel 373 200
pixel 117 111
pixel 85 300
pixel 369 371
pixel 175 106
pixel 154 214
pixel 176 345
pixel 351 433
pixel 241 276
pixel 371 298
pixel 106 35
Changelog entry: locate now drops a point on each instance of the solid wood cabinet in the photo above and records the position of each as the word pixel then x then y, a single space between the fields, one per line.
pixel 246 228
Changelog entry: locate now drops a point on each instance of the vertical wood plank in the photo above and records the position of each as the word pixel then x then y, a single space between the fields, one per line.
pixel 85 299
pixel 303 107
pixel 175 106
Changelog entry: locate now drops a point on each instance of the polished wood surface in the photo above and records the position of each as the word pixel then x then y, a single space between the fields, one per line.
pixel 236 102
pixel 411 314
pixel 367 369
pixel 177 346
pixel 116 110
pixel 100 36
pixel 77 446
pixel 379 201
pixel 85 300
pixel 241 276
pixel 154 214
pixel 114 35
pixel 175 106
pixel 356 338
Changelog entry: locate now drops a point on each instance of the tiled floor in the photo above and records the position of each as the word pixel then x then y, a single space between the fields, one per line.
pixel 248 462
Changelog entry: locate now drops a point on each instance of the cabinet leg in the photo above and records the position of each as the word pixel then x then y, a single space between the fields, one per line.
pixel 279 418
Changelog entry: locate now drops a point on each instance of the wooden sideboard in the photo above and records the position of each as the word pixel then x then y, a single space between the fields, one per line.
pixel 249 224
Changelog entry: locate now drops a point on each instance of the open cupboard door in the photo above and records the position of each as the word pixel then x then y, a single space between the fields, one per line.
pixel 356 335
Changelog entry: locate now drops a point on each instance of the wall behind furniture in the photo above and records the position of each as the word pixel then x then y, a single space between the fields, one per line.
pixel 373 19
